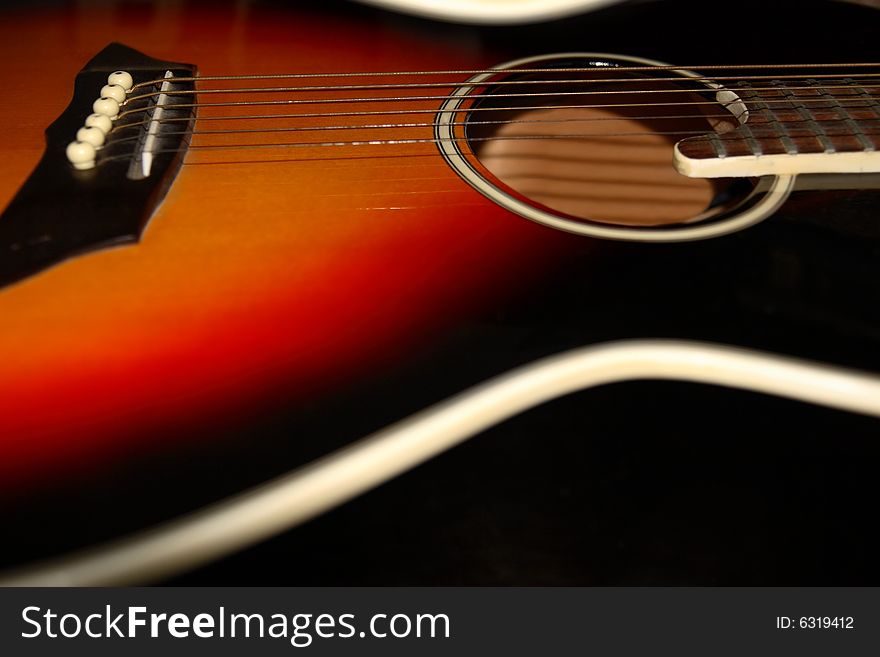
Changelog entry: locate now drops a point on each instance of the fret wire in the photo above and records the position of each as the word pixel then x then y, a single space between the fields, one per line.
pixel 848 119
pixel 861 91
pixel 758 102
pixel 815 127
pixel 620 69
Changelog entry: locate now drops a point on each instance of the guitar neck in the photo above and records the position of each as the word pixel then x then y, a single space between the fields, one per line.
pixel 830 125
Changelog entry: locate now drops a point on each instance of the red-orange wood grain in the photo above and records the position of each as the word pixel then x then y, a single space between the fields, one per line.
pixel 254 281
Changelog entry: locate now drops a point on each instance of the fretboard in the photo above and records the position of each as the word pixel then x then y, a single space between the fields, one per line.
pixel 806 126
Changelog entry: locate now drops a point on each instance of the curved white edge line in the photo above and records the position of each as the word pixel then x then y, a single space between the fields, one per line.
pixel 496 12
pixel 507 12
pixel 282 503
pixel 744 166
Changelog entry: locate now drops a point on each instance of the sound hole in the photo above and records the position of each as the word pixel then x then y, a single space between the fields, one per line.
pixel 599 150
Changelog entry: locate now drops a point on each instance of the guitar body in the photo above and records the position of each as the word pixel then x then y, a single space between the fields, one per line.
pixel 278 307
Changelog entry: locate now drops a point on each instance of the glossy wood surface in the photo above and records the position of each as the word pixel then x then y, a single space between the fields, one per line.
pixel 255 280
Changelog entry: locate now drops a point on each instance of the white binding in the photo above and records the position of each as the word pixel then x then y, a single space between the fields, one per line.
pixel 496 12
pixel 282 503
pixel 501 12
pixel 776 165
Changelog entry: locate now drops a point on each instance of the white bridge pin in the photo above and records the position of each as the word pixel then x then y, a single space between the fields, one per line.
pixel 106 106
pixel 114 91
pixel 122 79
pixel 91 135
pixel 81 154
pixel 100 121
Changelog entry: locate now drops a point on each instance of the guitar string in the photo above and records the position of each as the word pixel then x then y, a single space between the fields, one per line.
pixel 426 140
pixel 440 85
pixel 433 124
pixel 761 367
pixel 518 108
pixel 377 142
pixel 400 141
pixel 434 110
pixel 588 69
pixel 858 95
pixel 371 126
pixel 543 94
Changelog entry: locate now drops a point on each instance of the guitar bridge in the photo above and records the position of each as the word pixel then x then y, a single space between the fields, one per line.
pixel 85 196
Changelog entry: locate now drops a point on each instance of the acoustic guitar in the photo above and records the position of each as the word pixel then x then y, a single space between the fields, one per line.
pixel 270 255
